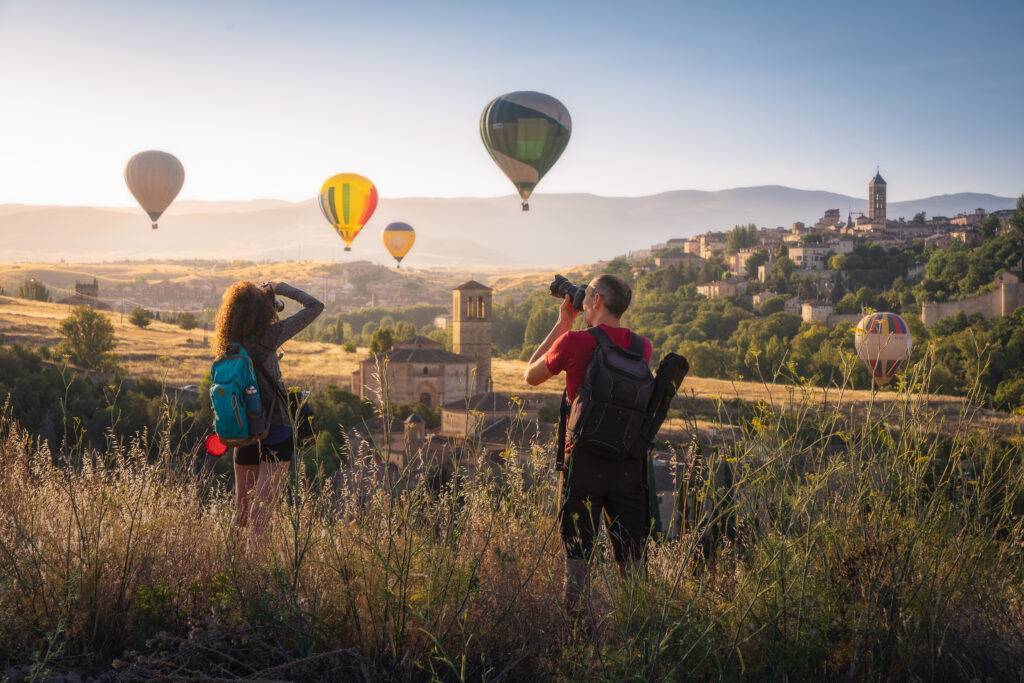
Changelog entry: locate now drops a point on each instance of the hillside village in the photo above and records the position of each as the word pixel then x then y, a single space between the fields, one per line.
pixel 815 250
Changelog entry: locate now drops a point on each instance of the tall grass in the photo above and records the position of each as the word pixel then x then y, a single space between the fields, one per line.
pixel 817 545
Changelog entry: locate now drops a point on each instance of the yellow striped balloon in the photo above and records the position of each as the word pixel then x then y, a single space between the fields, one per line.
pixel 347 201
pixel 398 239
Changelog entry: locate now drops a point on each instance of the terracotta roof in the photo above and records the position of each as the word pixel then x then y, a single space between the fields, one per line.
pixel 421 355
pixel 419 342
pixel 472 284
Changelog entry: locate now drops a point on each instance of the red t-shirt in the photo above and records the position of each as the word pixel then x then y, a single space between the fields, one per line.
pixel 572 351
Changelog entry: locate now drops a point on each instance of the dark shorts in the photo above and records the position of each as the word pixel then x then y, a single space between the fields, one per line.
pixel 595 487
pixel 255 453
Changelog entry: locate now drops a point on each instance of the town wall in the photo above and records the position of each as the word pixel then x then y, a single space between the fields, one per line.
pixel 1007 297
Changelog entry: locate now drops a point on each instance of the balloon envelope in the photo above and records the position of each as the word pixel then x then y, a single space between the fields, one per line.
pixel 883 343
pixel 525 132
pixel 154 178
pixel 398 239
pixel 347 201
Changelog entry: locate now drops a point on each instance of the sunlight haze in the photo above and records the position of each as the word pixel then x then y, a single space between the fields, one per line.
pixel 267 99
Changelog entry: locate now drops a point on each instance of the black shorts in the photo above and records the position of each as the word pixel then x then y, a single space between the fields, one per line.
pixel 595 487
pixel 258 452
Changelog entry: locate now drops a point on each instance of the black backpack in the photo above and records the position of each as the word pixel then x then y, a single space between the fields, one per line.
pixel 608 413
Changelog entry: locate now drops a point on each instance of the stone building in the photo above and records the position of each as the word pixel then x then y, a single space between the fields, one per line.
pixel 876 200
pixel 471 329
pixel 419 370
pixel 723 288
pixel 86 294
pixel 677 258
pixel 468 416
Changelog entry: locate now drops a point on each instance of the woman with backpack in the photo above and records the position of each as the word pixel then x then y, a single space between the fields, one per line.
pixel 248 318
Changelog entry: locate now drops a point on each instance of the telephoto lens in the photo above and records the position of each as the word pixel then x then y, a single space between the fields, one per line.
pixel 561 287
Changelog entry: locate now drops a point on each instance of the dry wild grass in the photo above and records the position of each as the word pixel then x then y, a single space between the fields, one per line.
pixel 839 550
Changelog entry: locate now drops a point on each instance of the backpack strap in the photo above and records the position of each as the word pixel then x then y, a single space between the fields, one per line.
pixel 274 384
pixel 600 336
pixel 637 344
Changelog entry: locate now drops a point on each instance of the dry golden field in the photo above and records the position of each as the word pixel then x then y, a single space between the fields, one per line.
pixel 171 355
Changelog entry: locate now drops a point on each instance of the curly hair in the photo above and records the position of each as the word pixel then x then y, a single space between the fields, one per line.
pixel 245 312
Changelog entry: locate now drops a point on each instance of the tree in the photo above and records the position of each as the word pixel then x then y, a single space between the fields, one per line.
pixel 620 266
pixel 140 317
pixel 404 330
pixel 33 289
pixel 756 259
pixel 989 228
pixel 187 321
pixel 1017 219
pixel 87 338
pixel 777 278
pixel 920 217
pixel 383 340
pixel 741 237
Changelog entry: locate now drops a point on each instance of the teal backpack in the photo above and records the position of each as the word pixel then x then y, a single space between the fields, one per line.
pixel 238 414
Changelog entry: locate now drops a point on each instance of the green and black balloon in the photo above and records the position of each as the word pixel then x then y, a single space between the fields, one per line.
pixel 525 132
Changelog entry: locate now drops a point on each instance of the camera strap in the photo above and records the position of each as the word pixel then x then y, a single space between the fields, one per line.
pixel 563 418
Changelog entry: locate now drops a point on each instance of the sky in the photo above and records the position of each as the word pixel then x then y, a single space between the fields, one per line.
pixel 267 99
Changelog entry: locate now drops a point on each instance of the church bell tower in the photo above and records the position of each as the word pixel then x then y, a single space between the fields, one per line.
pixel 876 199
pixel 471 328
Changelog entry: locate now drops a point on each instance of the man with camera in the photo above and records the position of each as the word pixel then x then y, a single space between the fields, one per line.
pixel 608 386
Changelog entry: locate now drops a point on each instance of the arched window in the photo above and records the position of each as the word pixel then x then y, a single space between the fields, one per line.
pixel 426 370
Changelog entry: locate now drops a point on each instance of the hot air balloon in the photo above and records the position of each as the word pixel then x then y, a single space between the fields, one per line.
pixel 154 178
pixel 398 239
pixel 347 201
pixel 883 343
pixel 525 133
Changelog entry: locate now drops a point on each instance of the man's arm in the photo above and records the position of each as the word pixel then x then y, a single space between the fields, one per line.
pixel 537 370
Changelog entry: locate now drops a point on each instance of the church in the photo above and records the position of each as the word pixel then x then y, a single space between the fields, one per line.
pixel 421 370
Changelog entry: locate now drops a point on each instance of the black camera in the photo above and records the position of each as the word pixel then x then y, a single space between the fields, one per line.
pixel 561 288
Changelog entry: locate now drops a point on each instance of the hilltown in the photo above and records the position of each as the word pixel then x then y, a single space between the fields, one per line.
pixel 813 249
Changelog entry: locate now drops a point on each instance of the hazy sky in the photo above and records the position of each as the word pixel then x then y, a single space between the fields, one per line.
pixel 265 99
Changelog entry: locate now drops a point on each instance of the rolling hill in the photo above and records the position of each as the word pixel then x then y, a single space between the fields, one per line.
pixel 466 232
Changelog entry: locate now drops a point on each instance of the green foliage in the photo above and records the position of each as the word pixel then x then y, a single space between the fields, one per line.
pixel 140 317
pixel 754 261
pixel 541 320
pixel 741 237
pixel 404 331
pixel 383 340
pixel 779 272
pixel 187 321
pixel 87 338
pixel 959 272
pixel 338 410
pixel 33 289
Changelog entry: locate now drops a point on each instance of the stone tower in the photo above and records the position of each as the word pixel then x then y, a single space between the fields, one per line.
pixel 471 328
pixel 876 199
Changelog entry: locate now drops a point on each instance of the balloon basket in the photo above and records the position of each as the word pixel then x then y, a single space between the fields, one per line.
pixel 526 207
pixel 348 248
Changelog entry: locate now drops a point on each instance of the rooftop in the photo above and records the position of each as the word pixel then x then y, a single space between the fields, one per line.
pixel 472 285
pixel 424 355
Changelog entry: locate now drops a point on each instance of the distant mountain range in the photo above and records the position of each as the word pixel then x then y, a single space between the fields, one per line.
pixel 559 229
